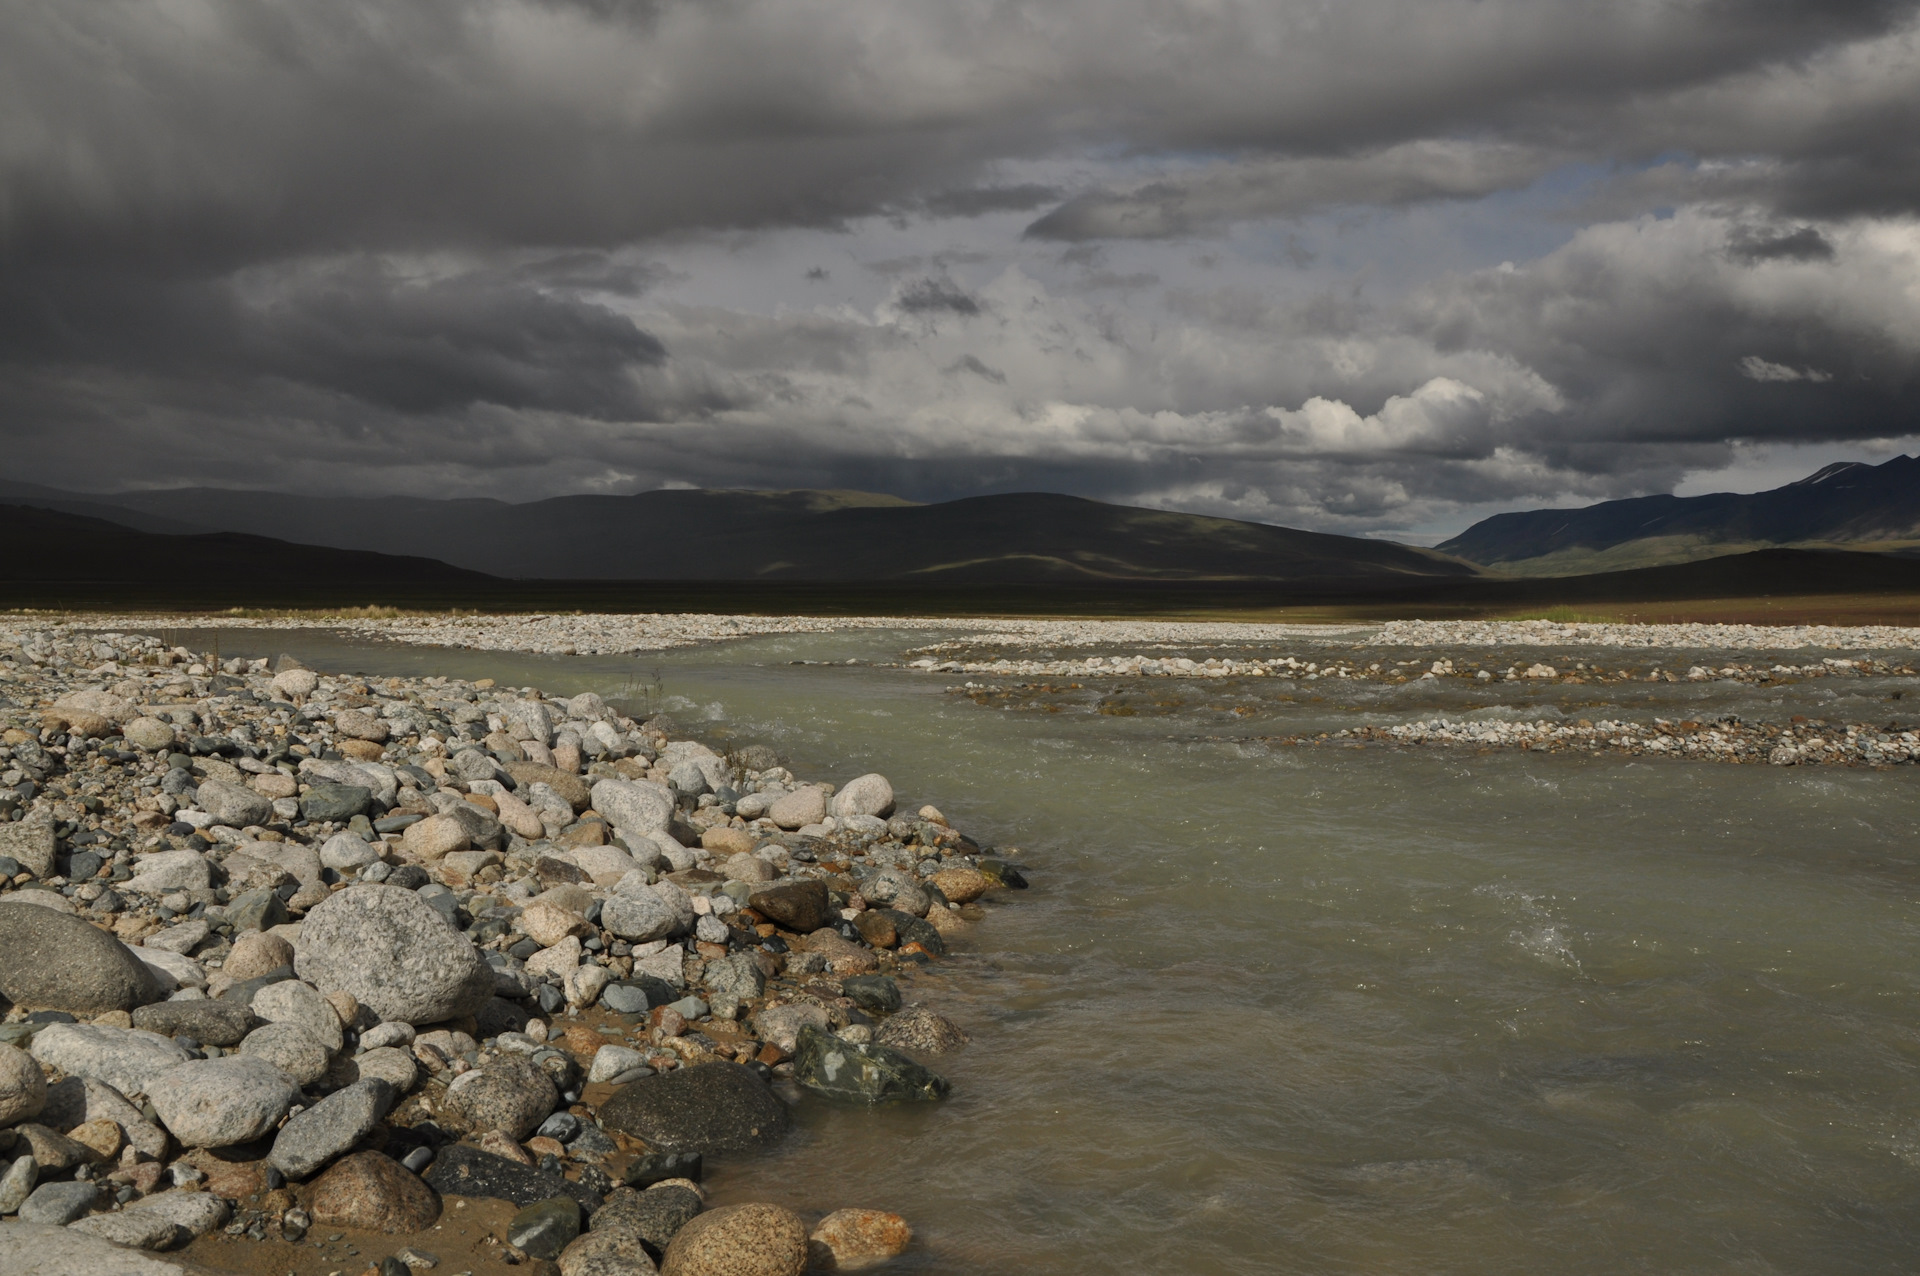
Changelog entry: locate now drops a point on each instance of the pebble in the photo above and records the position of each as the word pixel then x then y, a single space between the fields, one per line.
pixel 739 1240
pixel 23 1087
pixel 373 1193
pixel 852 1239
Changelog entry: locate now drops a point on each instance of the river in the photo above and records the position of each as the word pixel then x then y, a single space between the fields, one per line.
pixel 1332 1009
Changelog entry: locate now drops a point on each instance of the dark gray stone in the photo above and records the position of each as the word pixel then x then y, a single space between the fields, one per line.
pixel 461 1170
pixel 656 1167
pixel 58 1204
pixel 708 1107
pixel 335 803
pixel 840 1069
pixel 800 907
pixel 213 1023
pixel 261 909
pixel 637 995
pixel 876 994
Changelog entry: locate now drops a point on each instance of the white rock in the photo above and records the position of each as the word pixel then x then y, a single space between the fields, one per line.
pixel 291 1001
pixel 610 1061
pixel 221 1102
pixel 869 794
pixel 128 1059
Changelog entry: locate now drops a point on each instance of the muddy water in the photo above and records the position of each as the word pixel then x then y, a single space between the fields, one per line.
pixel 1360 1010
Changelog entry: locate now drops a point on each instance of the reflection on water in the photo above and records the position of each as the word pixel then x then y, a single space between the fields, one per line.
pixel 1372 1010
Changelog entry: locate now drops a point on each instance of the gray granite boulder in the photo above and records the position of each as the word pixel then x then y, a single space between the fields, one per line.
pixel 128 1059
pixel 330 1127
pixel 397 955
pixel 220 1102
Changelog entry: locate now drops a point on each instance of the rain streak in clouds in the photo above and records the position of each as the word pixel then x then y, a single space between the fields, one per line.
pixel 1376 266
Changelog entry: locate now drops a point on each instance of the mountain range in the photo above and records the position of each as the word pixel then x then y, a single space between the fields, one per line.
pixel 773 536
pixel 1849 505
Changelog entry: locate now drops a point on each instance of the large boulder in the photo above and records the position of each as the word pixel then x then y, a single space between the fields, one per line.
pixel 465 1170
pixel 869 794
pixel 637 807
pixel 640 913
pixel 739 1240
pixel 216 1103
pixel 861 1073
pixel 373 1193
pixel 234 804
pixel 397 955
pixel 291 1001
pixel 722 1107
pixel 128 1059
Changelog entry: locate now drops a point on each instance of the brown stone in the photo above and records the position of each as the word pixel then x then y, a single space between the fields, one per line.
pixel 571 788
pixel 274 784
pixel 581 1042
pixel 103 1138
pixel 361 750
pixel 877 928
pixel 540 1145
pixel 548 923
pixel 801 907
pixel 739 1240
pixel 961 885
pixel 374 1193
pixel 844 957
pixel 848 1240
pixel 585 833
pixel 504 1147
pixel 433 837
pixel 485 802
pixel 52 1151
pixel 255 952
pixel 232 1180
pixel 553 872
pixel 722 840
pixel 709 952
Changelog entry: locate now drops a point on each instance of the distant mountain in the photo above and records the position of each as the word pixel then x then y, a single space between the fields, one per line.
pixel 1849 505
pixel 57 554
pixel 781 536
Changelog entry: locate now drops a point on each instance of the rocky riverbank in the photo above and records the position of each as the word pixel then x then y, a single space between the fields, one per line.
pixel 310 973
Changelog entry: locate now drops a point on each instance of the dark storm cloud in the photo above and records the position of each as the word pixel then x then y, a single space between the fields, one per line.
pixel 401 242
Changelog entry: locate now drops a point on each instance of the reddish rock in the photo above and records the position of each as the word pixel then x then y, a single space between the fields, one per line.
pixel 373 1193
pixel 848 1240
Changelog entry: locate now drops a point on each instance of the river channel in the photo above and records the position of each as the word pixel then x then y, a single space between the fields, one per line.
pixel 1377 1010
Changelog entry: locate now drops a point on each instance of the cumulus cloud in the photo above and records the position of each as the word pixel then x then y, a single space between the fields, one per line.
pixel 1351 267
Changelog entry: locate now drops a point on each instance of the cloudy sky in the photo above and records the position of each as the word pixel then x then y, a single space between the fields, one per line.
pixel 1375 266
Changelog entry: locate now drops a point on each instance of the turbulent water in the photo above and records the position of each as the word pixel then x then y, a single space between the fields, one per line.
pixel 1331 1009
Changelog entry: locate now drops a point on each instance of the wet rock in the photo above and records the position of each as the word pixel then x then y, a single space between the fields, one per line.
pixel 849 1240
pixel 799 808
pixel 291 1001
pixel 891 888
pixel 921 1029
pixel 961 885
pixel 655 1215
pixel 30 1249
pixel 546 1227
pixel 740 1240
pixel 395 953
pixel 708 1107
pixel 657 1167
pixel 373 1193
pixel 865 1073
pixel 233 804
pixel 221 1102
pixel 800 907
pixel 50 960
pixel 875 994
pixel 127 1059
pixel 637 807
pixel 212 1023
pixel 23 1087
pixel 509 1094
pixel 330 1127
pixel 289 1048
pixel 461 1170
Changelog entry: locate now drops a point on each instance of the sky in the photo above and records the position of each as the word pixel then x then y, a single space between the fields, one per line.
pixel 1379 267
